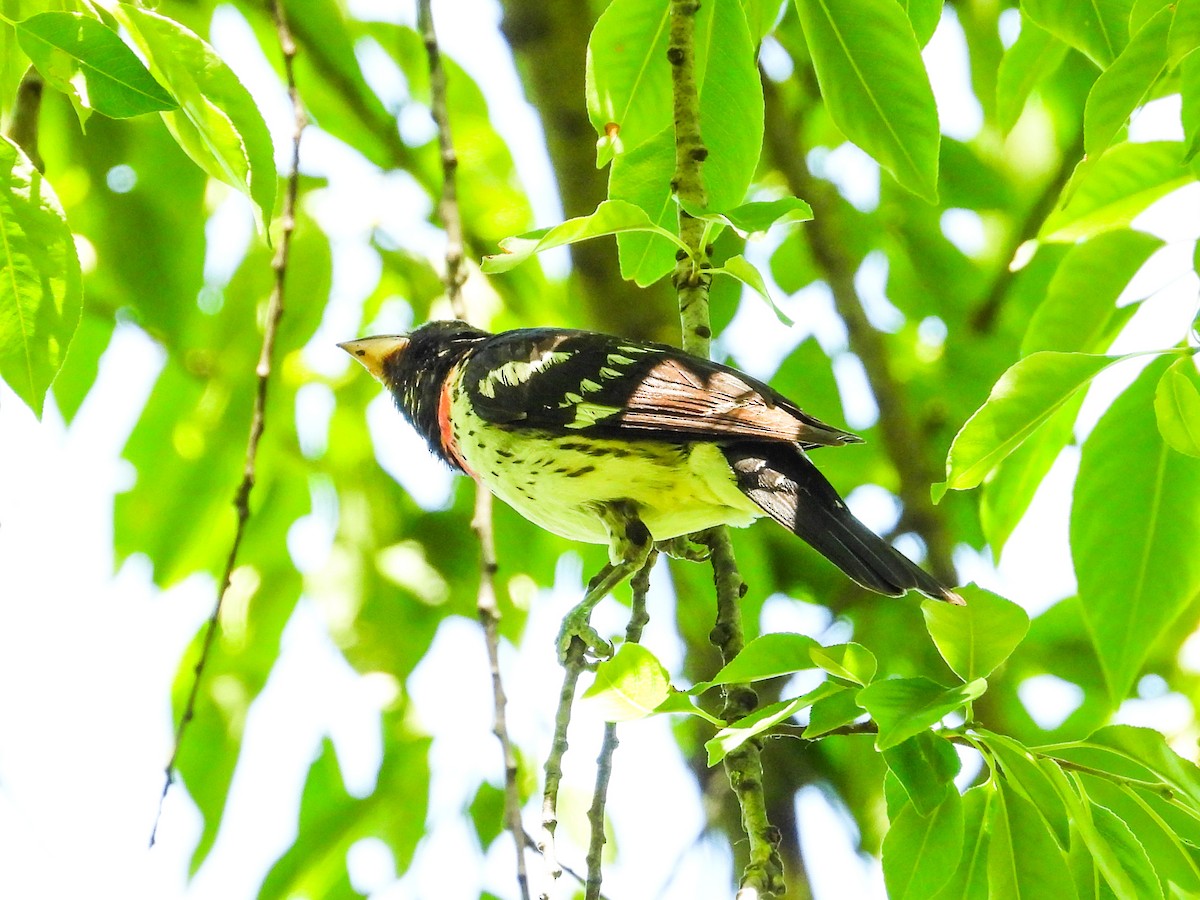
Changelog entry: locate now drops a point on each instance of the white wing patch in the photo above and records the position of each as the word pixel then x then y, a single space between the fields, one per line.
pixel 519 371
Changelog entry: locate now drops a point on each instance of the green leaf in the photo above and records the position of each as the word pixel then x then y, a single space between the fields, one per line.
pixel 1027 775
pixel 1100 28
pixel 1172 857
pixel 924 16
pixel 1150 749
pixel 1122 183
pixel 767 656
pixel 1024 862
pixel 218 123
pixel 875 86
pixel 1079 313
pixel 976 638
pixel 41 290
pixel 833 712
pixel 925 764
pixel 629 87
pixel 1177 406
pixel 89 63
pixel 1133 591
pixel 610 217
pixel 629 686
pixel 1123 853
pixel 757 217
pixel 903 707
pixel 853 662
pixel 1117 854
pixel 733 736
pixel 332 821
pixel 1034 55
pixel 1009 490
pixel 1185 30
pixel 920 853
pixel 681 702
pixel 969 881
pixel 738 267
pixel 642 176
pixel 1026 395
pixel 1189 79
pixel 1124 85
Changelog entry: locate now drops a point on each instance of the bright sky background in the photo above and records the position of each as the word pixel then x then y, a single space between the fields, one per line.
pixel 86 656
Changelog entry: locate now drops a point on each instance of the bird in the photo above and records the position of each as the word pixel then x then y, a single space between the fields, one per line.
pixel 606 440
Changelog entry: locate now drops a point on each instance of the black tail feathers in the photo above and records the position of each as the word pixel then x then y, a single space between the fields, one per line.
pixel 793 492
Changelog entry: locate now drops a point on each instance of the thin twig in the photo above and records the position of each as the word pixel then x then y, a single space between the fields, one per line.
pixel 638 617
pixel 481 522
pixel 448 210
pixel 241 502
pixel 573 667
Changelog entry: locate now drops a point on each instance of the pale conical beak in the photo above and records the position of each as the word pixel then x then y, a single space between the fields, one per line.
pixel 373 351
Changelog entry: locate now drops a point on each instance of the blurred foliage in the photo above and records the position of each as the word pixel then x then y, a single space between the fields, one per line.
pixel 975 280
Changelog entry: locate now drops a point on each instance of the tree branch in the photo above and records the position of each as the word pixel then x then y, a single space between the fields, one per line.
pixel 985 315
pixel 279 265
pixel 902 438
pixel 763 876
pixel 481 522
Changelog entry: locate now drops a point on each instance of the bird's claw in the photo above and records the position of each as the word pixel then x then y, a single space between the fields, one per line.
pixel 683 547
pixel 579 642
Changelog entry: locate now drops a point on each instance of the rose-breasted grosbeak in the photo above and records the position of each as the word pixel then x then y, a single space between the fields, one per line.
pixel 593 437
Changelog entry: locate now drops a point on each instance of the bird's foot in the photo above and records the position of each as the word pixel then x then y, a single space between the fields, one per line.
pixel 683 547
pixel 579 642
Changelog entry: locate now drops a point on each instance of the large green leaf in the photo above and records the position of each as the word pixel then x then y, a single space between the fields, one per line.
pixel 921 852
pixel 1079 313
pixel 1134 582
pixel 925 764
pixel 1122 183
pixel 976 638
pixel 969 880
pixel 1100 28
pixel 1024 861
pixel 41 292
pixel 767 656
pixel 629 686
pixel 1031 391
pixel 903 707
pixel 875 86
pixel 629 82
pixel 1035 54
pixel 88 62
pixel 218 123
pixel 1124 85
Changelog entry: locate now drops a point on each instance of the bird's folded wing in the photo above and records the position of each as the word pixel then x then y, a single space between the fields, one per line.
pixel 584 383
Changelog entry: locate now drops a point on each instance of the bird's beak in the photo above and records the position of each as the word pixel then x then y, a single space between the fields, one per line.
pixel 373 351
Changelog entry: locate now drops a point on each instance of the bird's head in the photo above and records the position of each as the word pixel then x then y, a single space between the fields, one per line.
pixel 415 368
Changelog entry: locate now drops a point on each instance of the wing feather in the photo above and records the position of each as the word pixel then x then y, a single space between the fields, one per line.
pixel 595 384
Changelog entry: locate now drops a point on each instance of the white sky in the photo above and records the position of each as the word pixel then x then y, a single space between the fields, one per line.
pixel 86 658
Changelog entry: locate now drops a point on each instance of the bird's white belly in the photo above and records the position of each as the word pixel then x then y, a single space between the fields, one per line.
pixel 559 482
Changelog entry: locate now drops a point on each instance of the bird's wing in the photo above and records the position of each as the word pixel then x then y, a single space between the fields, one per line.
pixel 594 384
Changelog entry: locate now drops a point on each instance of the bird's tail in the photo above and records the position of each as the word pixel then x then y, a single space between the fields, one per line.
pixel 793 492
